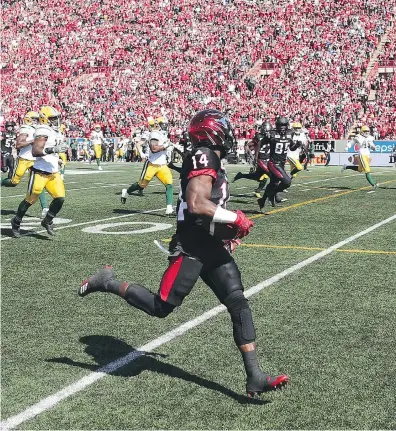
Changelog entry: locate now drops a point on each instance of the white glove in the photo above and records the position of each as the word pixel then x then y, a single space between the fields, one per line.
pixel 346 149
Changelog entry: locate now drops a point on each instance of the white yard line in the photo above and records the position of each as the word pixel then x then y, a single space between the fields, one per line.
pixel 79 385
pixel 85 223
pixel 106 185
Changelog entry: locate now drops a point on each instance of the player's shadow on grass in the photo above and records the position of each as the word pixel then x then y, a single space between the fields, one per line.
pixel 8 232
pixel 336 188
pixel 162 193
pixel 12 212
pixel 105 349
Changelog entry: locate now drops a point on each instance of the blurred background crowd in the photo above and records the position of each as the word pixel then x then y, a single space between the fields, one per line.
pixel 119 61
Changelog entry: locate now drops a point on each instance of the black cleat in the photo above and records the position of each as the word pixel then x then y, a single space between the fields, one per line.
pixel 15 227
pixel 259 383
pixel 97 282
pixel 237 177
pixel 49 226
pixel 140 192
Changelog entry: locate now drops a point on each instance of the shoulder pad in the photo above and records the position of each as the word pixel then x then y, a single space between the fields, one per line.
pixel 43 130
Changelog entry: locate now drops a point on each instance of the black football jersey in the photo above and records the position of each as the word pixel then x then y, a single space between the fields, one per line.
pixel 8 141
pixel 201 161
pixel 279 144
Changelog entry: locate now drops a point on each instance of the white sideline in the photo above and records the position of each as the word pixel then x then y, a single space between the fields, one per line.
pixel 79 385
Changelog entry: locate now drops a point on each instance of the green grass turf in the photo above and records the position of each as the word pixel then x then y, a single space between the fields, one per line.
pixel 329 326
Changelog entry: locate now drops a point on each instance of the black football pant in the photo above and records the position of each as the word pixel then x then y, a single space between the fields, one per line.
pixel 280 180
pixel 215 266
pixel 7 164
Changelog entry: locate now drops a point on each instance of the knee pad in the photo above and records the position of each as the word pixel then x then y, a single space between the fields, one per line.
pixel 241 316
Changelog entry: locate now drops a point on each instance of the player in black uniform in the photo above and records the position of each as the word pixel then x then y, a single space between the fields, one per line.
pixel 196 251
pixel 8 141
pixel 261 148
pixel 279 141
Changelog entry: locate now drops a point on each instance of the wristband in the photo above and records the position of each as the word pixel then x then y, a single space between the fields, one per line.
pixel 222 215
pixel 48 150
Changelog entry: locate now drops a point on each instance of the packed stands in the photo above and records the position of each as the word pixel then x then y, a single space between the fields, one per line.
pixel 119 61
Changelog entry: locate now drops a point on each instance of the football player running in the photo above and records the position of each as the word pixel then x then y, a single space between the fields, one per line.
pixel 261 149
pixel 279 141
pixel 25 158
pixel 8 142
pixel 196 251
pixel 293 156
pixel 365 143
pixel 97 139
pixel 156 164
pixel 48 143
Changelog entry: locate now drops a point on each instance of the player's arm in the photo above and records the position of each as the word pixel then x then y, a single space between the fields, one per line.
pixel 156 147
pixel 38 146
pixel 21 141
pixel 198 194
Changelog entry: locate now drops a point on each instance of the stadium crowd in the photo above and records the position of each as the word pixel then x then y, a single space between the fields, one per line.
pixel 119 61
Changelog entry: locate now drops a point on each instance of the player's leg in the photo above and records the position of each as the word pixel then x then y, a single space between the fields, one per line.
pixel 21 166
pixel 98 155
pixel 36 185
pixel 364 166
pixel 139 186
pixel 177 281
pixel 277 176
pixel 10 162
pixel 56 188
pixel 63 157
pixel 165 176
pixel 295 166
pixel 262 183
pixel 225 281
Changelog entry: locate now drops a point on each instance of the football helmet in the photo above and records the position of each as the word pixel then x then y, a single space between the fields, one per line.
pixel 282 124
pixel 266 127
pixel 211 128
pixel 365 131
pixel 162 123
pixel 152 124
pixel 50 116
pixel 10 126
pixel 97 127
pixel 31 118
pixel 297 127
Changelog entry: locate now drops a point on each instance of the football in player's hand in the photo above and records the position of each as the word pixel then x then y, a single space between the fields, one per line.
pixel 222 230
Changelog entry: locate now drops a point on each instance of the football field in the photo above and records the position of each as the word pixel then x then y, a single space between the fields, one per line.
pixel 319 270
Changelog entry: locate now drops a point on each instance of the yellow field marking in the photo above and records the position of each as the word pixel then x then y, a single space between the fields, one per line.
pixel 297 247
pixel 311 201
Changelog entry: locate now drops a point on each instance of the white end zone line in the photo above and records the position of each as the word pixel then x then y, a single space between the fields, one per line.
pixel 51 401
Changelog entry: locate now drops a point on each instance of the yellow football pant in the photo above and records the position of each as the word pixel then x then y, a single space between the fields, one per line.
pixel 162 172
pixel 364 164
pixel 294 164
pixel 21 166
pixel 98 151
pixel 63 157
pixel 38 181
